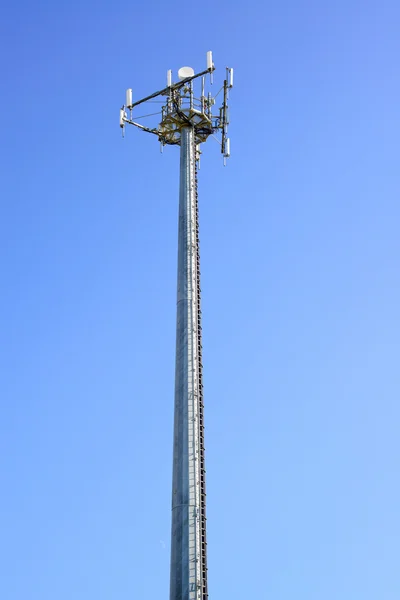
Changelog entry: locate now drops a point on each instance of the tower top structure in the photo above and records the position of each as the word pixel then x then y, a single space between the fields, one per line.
pixel 185 103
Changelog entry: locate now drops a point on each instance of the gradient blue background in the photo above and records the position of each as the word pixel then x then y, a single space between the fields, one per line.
pixel 301 294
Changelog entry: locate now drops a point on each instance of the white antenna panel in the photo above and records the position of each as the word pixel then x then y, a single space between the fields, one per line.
pixel 227 148
pixel 230 81
pixel 185 72
pixel 210 63
pixel 169 78
pixel 129 98
pixel 122 115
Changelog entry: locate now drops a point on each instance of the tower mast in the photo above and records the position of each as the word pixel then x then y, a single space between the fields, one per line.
pixel 187 121
pixel 188 532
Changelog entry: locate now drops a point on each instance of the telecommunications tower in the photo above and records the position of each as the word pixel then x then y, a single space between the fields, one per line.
pixel 187 119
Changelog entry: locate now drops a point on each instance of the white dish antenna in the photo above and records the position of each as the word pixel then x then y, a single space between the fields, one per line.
pixel 185 72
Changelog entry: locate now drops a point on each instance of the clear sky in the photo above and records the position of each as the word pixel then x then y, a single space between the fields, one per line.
pixel 301 294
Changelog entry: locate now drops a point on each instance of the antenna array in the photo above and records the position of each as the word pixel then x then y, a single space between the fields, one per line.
pixel 182 107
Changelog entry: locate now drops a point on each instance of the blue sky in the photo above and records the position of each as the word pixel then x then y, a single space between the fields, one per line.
pixel 301 295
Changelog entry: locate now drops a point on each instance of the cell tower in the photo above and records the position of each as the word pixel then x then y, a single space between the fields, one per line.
pixel 187 120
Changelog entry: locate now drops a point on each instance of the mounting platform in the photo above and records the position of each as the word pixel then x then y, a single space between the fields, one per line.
pixel 171 126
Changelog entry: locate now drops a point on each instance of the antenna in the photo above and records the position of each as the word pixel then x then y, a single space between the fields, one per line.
pixel 210 65
pixel 185 72
pixel 122 117
pixel 230 76
pixel 129 98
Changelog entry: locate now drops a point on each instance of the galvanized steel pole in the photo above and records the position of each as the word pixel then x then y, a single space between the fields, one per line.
pixel 188 541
